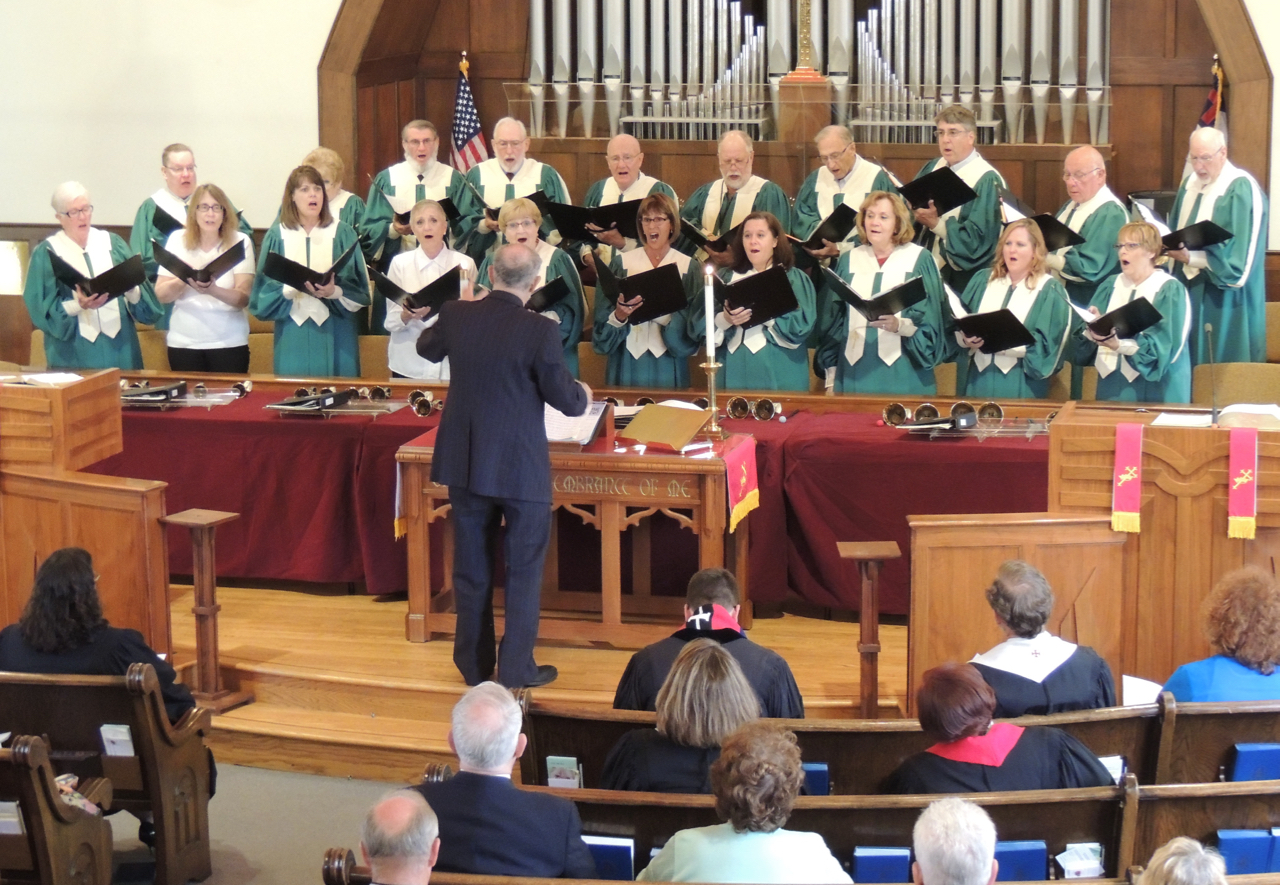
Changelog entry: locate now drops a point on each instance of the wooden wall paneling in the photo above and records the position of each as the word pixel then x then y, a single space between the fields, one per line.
pixel 339 122
pixel 1249 85
pixel 1140 160
pixel 15 330
pixel 366 160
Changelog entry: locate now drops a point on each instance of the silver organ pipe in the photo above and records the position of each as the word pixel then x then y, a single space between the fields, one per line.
pixel 588 63
pixel 947 53
pixel 675 59
pixel 612 66
pixel 987 57
pixel 1093 78
pixel 560 42
pixel 840 54
pixel 1068 67
pixel 537 61
pixel 638 73
pixel 1041 63
pixel 657 55
pixel 968 51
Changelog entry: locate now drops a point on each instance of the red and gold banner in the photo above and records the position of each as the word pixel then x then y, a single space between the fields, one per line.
pixel 1126 482
pixel 740 469
pixel 1242 483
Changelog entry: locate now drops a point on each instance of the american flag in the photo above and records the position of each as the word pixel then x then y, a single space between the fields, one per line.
pixel 468 140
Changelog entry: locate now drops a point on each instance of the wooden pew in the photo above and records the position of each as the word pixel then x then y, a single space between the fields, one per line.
pixel 168 775
pixel 1197 740
pixel 860 753
pixel 62 844
pixel 1199 810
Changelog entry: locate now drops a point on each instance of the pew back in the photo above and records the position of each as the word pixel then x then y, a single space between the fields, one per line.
pixel 1199 810
pixel 1197 739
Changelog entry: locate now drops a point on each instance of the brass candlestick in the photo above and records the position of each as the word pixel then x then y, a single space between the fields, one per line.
pixel 713 430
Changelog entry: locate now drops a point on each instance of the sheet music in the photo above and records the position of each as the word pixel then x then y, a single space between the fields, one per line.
pixel 957 309
pixel 1182 419
pixel 1137 691
pixel 1083 312
pixel 562 428
pixel 1151 218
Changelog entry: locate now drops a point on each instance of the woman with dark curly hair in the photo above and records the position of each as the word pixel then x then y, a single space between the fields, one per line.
pixel 705 697
pixel 1242 624
pixel 756 781
pixel 976 755
pixel 62 630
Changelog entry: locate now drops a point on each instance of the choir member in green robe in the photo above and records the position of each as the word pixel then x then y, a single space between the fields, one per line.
pixel 1155 365
pixel 316 332
pixel 343 204
pixel 894 354
pixel 842 177
pixel 653 354
pixel 771 355
pixel 395 191
pixel 1226 282
pixel 625 182
pixel 519 221
pixel 964 239
pixel 510 173
pixel 81 332
pixel 721 205
pixel 166 210
pixel 1018 281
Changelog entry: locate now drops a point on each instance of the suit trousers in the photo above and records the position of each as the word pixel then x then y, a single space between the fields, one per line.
pixel 477 520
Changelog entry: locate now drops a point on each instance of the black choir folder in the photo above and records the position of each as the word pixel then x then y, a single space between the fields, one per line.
pixel 661 288
pixel 1197 237
pixel 113 282
pixel 999 330
pixel 1056 234
pixel 946 189
pixel 885 304
pixel 447 287
pixel 165 223
pixel 703 240
pixel 768 295
pixel 549 295
pixel 1126 321
pixel 291 273
pixel 834 228
pixel 572 221
pixel 451 213
pixel 211 271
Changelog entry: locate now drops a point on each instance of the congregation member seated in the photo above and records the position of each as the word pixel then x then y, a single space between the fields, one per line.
pixel 711 609
pixel 520 222
pixel 400 840
pixel 345 205
pixel 488 825
pixel 1019 281
pixel 316 329
pixel 625 182
pixel 1155 365
pixel 506 176
pixel 162 212
pixel 955 844
pixel 704 699
pixel 1184 861
pixel 721 205
pixel 896 353
pixel 411 271
pixel 964 239
pixel 1242 624
pixel 653 354
pixel 82 332
pixel 756 781
pixel 769 355
pixel 1033 671
pixel 975 755
pixel 208 327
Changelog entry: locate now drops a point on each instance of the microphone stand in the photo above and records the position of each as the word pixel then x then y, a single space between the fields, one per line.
pixel 1213 375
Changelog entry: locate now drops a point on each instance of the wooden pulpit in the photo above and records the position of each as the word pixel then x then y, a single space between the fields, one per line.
pixel 1183 548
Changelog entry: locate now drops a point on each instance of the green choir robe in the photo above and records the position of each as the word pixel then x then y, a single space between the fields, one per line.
pixel 709 209
pixel 1154 367
pixel 570 311
pixel 1081 269
pixel 821 194
pixel 782 363
pixel 883 362
pixel 1024 372
pixel 349 208
pixel 968 244
pixel 1226 282
pixel 630 349
pixel 492 183
pixel 55 311
pixel 144 231
pixel 311 348
pixel 606 191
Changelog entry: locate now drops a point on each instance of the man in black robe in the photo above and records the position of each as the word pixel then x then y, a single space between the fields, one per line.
pixel 711 608
pixel 1033 671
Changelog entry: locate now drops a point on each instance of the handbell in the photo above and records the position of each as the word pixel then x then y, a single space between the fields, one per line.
pixel 702 402
pixel 990 412
pixel 925 412
pixel 241 388
pixel 961 408
pixel 741 407
pixel 894 414
pixel 199 391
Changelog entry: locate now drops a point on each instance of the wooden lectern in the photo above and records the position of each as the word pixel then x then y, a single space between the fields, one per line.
pixel 1183 548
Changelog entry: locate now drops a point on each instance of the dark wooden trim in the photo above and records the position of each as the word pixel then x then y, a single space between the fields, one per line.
pixel 1140 71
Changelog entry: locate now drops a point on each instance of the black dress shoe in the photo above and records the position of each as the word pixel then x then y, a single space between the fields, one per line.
pixel 546 674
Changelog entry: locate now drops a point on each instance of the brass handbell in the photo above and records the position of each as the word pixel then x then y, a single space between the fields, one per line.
pixel 894 414
pixel 961 408
pixel 990 413
pixel 741 407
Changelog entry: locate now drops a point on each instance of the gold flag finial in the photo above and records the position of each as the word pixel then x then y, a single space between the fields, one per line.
pixel 464 65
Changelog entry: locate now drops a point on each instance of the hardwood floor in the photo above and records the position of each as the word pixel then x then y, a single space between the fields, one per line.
pixel 339 691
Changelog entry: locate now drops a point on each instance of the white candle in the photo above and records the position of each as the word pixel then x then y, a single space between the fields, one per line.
pixel 709 308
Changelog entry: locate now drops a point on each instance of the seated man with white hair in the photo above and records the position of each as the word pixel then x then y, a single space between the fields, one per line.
pixel 955 844
pixel 1032 671
pixel 1184 861
pixel 488 825
pixel 82 332
pixel 401 840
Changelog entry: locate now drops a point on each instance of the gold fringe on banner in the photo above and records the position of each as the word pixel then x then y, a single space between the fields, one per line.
pixel 1240 527
pixel 1126 522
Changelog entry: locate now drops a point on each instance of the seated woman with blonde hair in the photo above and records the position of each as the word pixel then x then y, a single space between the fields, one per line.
pixel 704 698
pixel 1184 861
pixel 756 781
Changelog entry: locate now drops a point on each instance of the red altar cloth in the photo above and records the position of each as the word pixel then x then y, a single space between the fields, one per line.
pixel 839 477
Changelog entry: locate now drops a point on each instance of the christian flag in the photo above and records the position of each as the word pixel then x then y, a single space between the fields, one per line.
pixel 468 139
pixel 1214 114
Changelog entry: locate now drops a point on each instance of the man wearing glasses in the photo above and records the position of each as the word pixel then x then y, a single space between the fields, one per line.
pixel 964 239
pixel 510 173
pixel 625 182
pixel 166 210
pixel 843 177
pixel 1225 281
